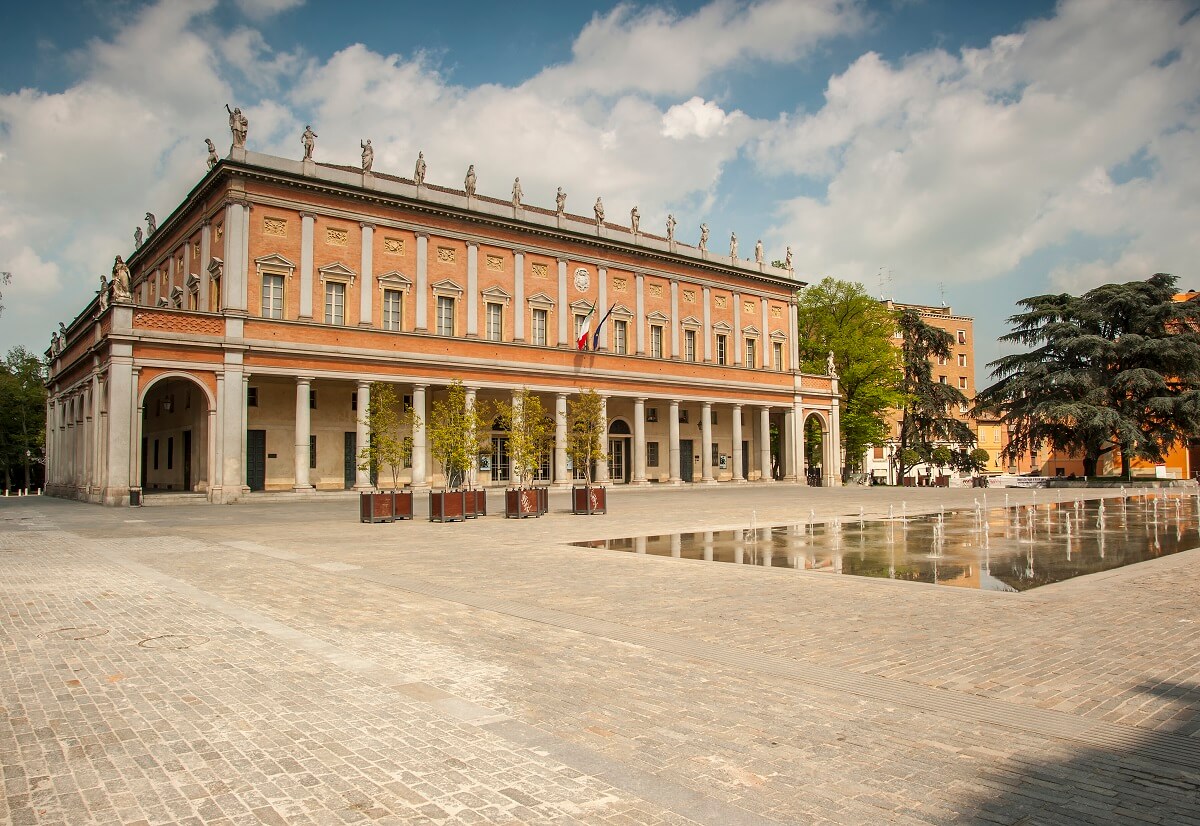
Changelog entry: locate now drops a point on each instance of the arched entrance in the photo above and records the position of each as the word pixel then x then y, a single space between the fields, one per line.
pixel 814 449
pixel 176 432
pixel 620 454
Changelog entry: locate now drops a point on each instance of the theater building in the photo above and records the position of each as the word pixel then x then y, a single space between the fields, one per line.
pixel 265 305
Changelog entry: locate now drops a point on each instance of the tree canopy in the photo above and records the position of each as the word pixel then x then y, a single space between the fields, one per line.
pixel 840 317
pixel 1117 368
pixel 927 415
pixel 22 415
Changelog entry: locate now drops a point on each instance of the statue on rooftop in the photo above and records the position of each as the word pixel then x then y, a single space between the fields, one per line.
pixel 469 182
pixel 758 252
pixel 830 367
pixel 517 194
pixel 560 201
pixel 151 224
pixel 635 219
pixel 368 155
pixel 599 209
pixel 671 222
pixel 733 246
pixel 120 282
pixel 309 141
pixel 704 237
pixel 137 237
pixel 419 172
pixel 103 293
pixel 238 125
pixel 787 259
pixel 212 153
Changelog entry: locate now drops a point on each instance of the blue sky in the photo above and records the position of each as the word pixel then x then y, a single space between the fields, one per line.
pixel 976 152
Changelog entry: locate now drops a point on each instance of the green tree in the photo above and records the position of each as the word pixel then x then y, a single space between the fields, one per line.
pixel 22 414
pixel 5 280
pixel 585 432
pixel 453 434
pixel 839 317
pixel 530 434
pixel 927 417
pixel 386 422
pixel 1117 368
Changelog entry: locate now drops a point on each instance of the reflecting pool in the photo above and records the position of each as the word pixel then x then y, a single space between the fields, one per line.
pixel 997 549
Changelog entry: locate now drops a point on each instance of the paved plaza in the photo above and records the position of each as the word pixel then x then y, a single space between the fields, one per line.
pixel 279 662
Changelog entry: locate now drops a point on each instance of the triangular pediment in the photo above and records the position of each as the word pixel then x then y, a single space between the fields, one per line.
pixel 582 305
pixel 691 321
pixel 336 270
pixel 621 311
pixel 446 286
pixel 778 336
pixel 394 279
pixel 541 300
pixel 657 316
pixel 496 295
pixel 722 327
pixel 215 267
pixel 274 260
pixel 193 282
pixel 751 329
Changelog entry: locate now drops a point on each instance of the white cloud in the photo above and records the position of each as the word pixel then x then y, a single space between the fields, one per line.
pixel 696 118
pixel 959 168
pixel 262 9
pixel 656 51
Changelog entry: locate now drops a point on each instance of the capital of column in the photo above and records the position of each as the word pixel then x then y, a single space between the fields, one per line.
pixel 366 225
pixel 474 244
pixel 309 215
pixel 363 384
pixel 420 386
pixel 424 235
pixel 299 379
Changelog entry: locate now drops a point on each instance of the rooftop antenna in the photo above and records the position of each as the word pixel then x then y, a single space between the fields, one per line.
pixel 885 282
pixel 942 290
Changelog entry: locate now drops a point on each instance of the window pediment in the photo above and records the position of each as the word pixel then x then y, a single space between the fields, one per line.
pixel 657 317
pixel 337 271
pixel 622 312
pixel 541 301
pixel 778 335
pixel 750 330
pixel 394 280
pixel 274 261
pixel 722 327
pixel 581 306
pixel 496 296
pixel 216 267
pixel 193 282
pixel 446 287
pixel 691 322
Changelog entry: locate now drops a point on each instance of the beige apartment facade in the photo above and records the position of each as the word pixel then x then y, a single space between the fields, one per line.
pixel 261 311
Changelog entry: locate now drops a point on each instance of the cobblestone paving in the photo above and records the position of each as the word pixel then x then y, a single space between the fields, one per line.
pixel 284 664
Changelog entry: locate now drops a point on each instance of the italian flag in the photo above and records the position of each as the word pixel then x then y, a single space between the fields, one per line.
pixel 585 329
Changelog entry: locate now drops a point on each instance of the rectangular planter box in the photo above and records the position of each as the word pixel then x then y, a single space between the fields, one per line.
pixel 588 500
pixel 402 504
pixel 376 507
pixel 476 503
pixel 447 506
pixel 543 498
pixel 521 503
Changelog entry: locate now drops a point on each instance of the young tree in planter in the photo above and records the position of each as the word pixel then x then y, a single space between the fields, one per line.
pixel 385 422
pixel 585 432
pixel 453 429
pixel 530 435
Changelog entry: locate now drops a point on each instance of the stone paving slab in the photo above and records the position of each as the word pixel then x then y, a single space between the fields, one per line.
pixel 489 673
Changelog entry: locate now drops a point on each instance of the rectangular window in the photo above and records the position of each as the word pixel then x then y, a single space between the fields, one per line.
pixel 445 315
pixel 312 398
pixel 391 309
pixel 962 336
pixel 941 361
pixel 251 397
pixel 716 455
pixel 620 337
pixel 495 324
pixel 689 345
pixel 722 349
pixel 777 354
pixel 335 303
pixel 651 454
pixel 578 326
pixel 170 452
pixel 312 450
pixel 751 353
pixel 652 414
pixel 962 359
pixel 683 416
pixel 656 341
pixel 272 296
pixel 156 454
pixel 942 380
pixel 353 400
pixel 962 382
pixel 539 327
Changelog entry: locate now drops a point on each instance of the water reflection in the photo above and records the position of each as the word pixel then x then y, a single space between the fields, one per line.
pixel 1000 549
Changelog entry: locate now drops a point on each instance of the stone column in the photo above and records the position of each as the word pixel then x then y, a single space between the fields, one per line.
pixel 673 447
pixel 420 451
pixel 639 319
pixel 205 259
pixel 707 330
pixel 764 444
pixel 303 430
pixel 243 486
pixel 602 467
pixel 674 318
pixel 216 492
pixel 639 443
pixel 833 477
pixel 561 477
pixel 469 405
pixel 793 339
pixel 706 441
pixel 736 413
pixel 787 444
pixel 367 285
pixel 116 484
pixel 564 308
pixel 306 265
pixel 801 464
pixel 237 245
pixel 421 288
pixel 602 307
pixel 99 422
pixel 519 309
pixel 737 329
pixel 765 337
pixel 472 290
pixel 362 437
